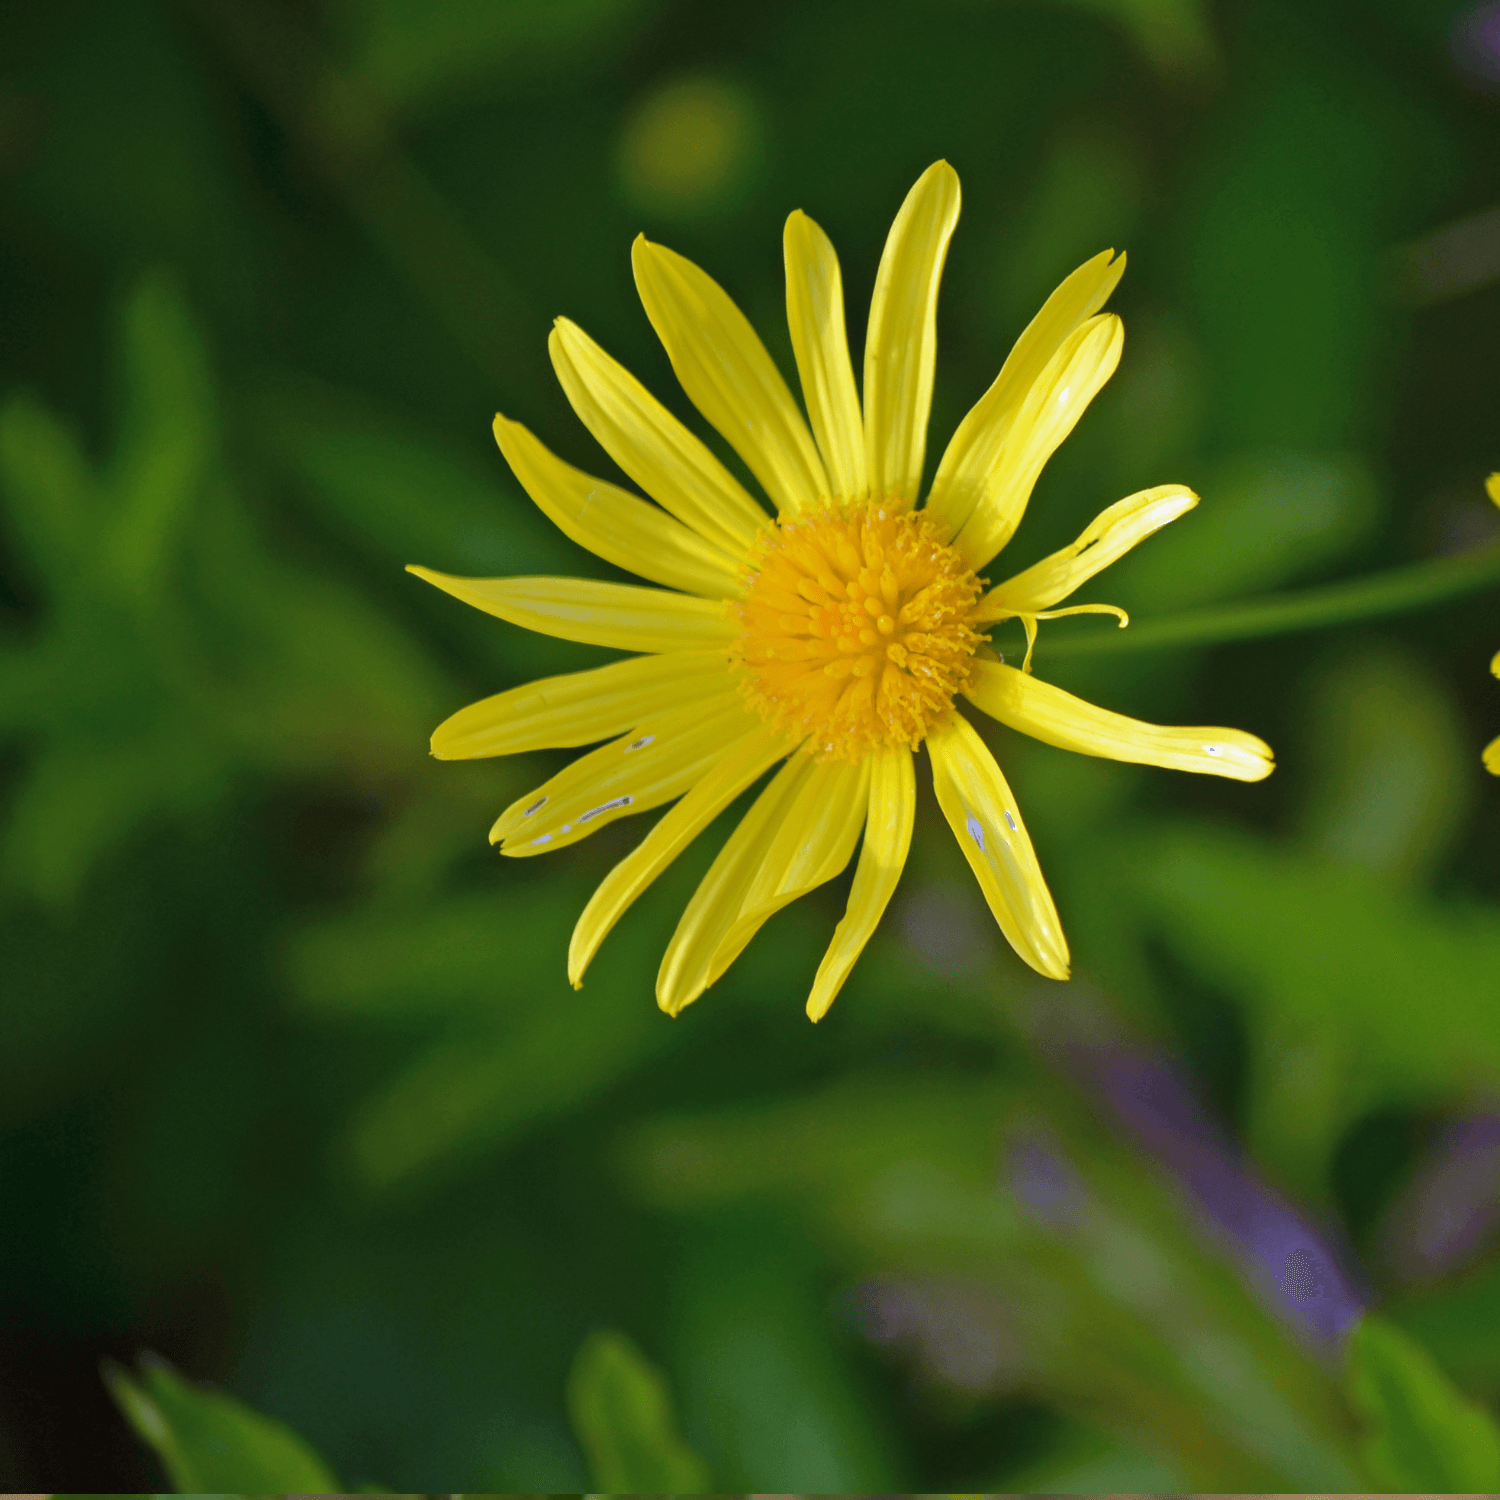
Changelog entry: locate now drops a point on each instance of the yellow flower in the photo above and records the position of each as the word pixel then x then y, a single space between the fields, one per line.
pixel 834 639
pixel 1492 750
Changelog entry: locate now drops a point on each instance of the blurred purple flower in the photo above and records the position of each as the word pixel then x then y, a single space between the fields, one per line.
pixel 1476 44
pixel 1446 1215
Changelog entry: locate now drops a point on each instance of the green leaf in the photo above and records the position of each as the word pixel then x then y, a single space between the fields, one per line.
pixel 622 1414
pixel 1422 1433
pixel 209 1442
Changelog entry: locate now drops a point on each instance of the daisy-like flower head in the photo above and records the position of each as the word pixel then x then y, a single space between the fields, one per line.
pixel 1492 750
pixel 834 639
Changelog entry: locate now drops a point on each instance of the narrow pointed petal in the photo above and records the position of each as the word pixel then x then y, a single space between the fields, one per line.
pixel 820 342
pixel 655 761
pixel 580 708
pixel 598 614
pixel 1109 537
pixel 742 761
pixel 891 811
pixel 901 345
pixel 814 843
pixel 683 975
pixel 652 446
pixel 616 525
pixel 979 807
pixel 970 471
pixel 1049 413
pixel 1048 713
pixel 728 376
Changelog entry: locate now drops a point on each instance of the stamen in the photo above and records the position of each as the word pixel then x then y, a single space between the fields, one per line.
pixel 857 629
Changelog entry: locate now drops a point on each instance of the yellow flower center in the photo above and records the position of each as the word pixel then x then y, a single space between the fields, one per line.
pixel 856 629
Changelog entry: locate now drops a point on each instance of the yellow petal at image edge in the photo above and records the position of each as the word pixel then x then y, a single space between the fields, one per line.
pixel 728 376
pixel 974 797
pixel 888 823
pixel 740 764
pixel 1060 396
pixel 969 473
pixel 901 344
pixel 651 763
pixel 1048 713
pixel 672 465
pixel 820 345
pixel 1492 757
pixel 580 708
pixel 1111 534
pixel 614 524
pixel 597 614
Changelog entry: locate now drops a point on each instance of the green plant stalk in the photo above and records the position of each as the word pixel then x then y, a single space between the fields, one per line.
pixel 1395 591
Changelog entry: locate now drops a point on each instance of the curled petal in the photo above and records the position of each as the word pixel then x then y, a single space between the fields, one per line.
pixel 815 316
pixel 1108 537
pixel 652 446
pixel 614 524
pixel 984 818
pixel 653 762
pixel 728 376
pixel 972 474
pixel 598 614
pixel 716 903
pixel 901 344
pixel 1048 713
pixel 742 761
pixel 888 824
pixel 579 708
pixel 1051 409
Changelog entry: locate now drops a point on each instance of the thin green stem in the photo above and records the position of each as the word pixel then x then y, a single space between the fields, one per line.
pixel 1395 591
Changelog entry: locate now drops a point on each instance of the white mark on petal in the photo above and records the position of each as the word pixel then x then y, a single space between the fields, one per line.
pixel 639 744
pixel 975 831
pixel 1011 821
pixel 605 807
pixel 544 838
pixel 1213 749
pixel 536 806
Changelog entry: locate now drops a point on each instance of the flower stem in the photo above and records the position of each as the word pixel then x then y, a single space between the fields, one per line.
pixel 1395 591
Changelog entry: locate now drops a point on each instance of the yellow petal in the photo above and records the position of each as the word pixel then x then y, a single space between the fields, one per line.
pixel 1495 664
pixel 598 614
pixel 616 525
pixel 1048 713
pixel 971 469
pixel 580 708
pixel 1492 488
pixel 742 761
pixel 888 823
pixel 1492 757
pixel 683 975
pixel 651 763
pixel 1054 404
pixel 983 816
pixel 901 345
pixel 1110 536
pixel 728 376
pixel 652 446
pixel 814 843
pixel 815 316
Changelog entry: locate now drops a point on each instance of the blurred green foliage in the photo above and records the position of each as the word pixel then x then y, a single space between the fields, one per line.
pixel 292 1085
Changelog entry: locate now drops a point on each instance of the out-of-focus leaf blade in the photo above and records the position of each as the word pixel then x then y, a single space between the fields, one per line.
pixel 47 491
pixel 1421 1433
pixel 209 1442
pixel 622 1413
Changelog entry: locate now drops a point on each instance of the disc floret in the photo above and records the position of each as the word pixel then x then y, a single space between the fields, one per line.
pixel 857 629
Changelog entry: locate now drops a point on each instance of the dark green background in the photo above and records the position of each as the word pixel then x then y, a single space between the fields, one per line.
pixel 292 1087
